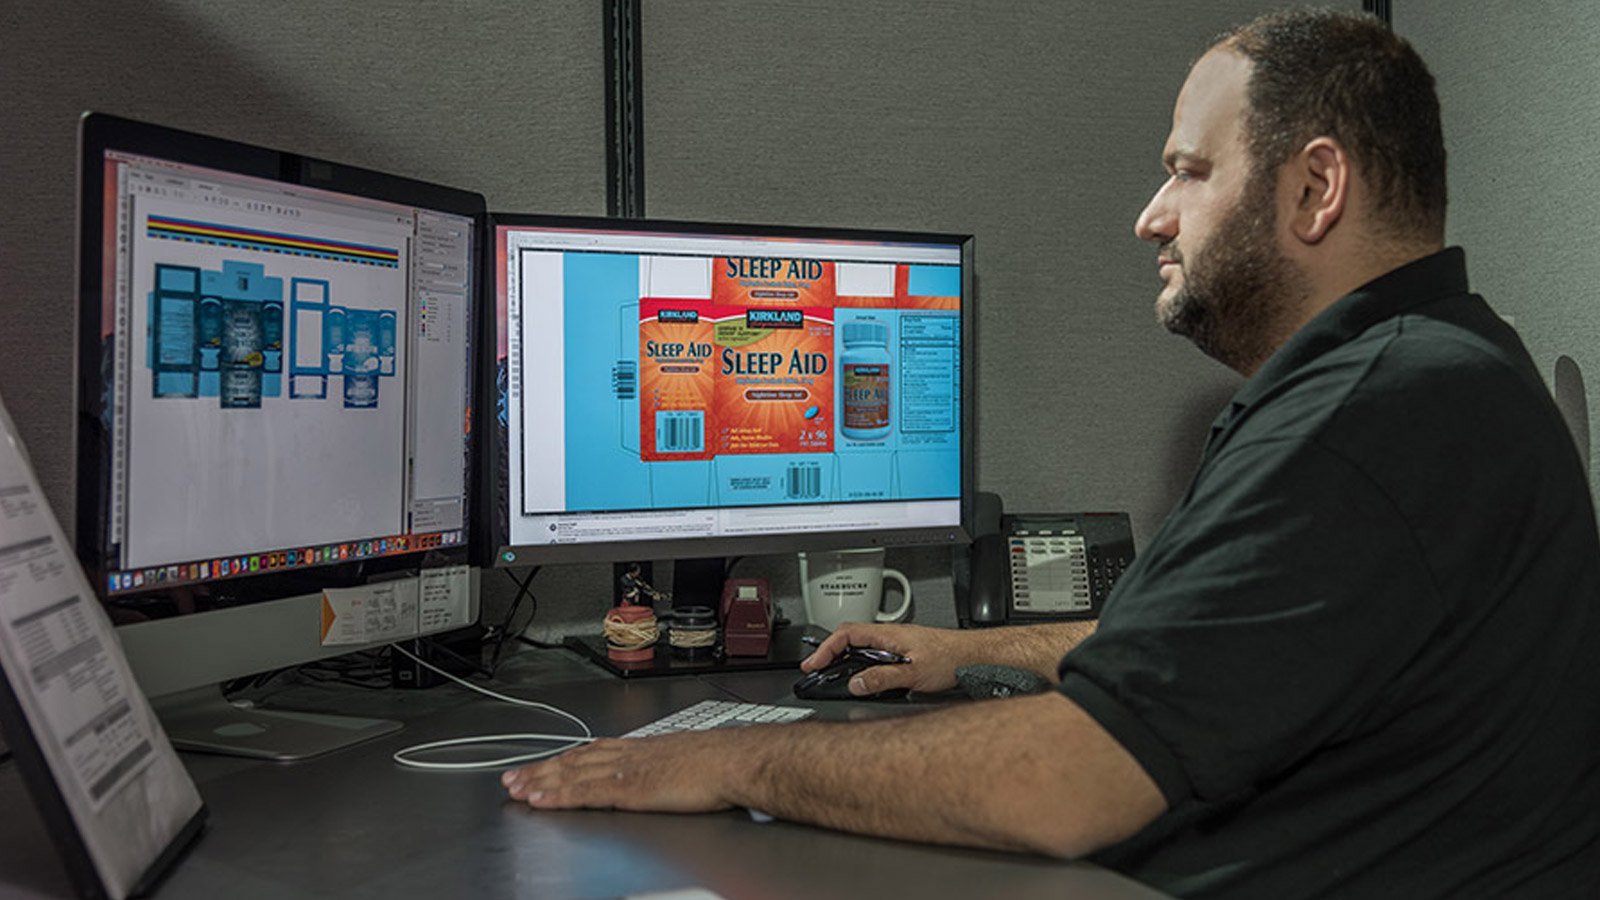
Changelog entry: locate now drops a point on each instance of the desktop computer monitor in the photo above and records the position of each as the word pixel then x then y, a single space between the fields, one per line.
pixel 275 379
pixel 679 391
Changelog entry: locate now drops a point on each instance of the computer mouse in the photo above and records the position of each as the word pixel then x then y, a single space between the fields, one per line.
pixel 832 682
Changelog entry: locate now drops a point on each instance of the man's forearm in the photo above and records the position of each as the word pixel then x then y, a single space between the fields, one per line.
pixel 1031 773
pixel 991 775
pixel 1037 648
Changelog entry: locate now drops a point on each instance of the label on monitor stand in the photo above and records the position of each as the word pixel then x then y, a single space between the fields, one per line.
pixel 446 599
pixel 370 613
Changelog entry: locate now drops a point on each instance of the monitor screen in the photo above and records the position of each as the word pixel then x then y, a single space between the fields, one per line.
pixel 275 370
pixel 669 390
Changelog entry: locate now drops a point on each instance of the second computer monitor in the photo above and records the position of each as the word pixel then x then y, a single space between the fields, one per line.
pixel 670 390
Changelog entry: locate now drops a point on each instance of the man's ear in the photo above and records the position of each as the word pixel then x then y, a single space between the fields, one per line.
pixel 1320 177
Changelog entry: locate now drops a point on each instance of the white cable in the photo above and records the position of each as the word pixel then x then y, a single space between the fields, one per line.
pixel 402 756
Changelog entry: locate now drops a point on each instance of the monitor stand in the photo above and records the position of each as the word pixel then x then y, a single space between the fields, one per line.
pixel 180 661
pixel 202 720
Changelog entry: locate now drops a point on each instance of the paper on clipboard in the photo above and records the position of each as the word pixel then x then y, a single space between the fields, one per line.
pixel 122 785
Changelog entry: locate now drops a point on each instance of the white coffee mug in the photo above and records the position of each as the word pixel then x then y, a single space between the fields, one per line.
pixel 847 586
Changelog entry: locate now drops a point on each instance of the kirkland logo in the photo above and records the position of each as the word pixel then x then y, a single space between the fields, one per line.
pixel 774 318
pixel 678 315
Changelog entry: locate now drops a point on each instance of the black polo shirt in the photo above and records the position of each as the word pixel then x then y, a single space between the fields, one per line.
pixel 1362 656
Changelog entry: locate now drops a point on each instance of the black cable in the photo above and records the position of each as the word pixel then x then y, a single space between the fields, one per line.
pixel 522 591
pixel 371 682
pixel 365 669
pixel 247 682
pixel 516 604
pixel 438 648
pixel 533 613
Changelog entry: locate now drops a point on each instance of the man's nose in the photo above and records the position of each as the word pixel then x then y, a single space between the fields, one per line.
pixel 1157 221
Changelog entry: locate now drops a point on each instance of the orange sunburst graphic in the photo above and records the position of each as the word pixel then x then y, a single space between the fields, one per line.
pixel 772 283
pixel 774 387
pixel 950 303
pixel 905 300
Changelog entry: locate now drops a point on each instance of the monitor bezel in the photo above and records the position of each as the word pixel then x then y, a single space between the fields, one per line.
pixel 100 133
pixel 493 548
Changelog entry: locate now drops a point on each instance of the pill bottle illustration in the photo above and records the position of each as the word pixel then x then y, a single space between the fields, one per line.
pixel 866 369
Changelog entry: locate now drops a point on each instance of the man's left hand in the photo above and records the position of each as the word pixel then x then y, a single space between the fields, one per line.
pixel 670 773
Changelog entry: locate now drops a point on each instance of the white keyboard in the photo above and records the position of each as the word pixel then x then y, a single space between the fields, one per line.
pixel 709 714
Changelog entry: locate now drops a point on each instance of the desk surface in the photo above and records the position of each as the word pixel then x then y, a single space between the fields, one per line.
pixel 355 824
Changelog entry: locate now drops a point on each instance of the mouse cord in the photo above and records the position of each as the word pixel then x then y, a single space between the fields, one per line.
pixel 405 756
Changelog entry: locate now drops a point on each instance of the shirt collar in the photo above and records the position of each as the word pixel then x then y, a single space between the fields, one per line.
pixel 1398 291
pixel 1413 284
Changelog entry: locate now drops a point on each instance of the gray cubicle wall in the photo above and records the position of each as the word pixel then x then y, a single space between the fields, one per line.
pixel 1519 84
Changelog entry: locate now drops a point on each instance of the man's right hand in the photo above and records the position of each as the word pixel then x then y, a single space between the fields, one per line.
pixel 934 654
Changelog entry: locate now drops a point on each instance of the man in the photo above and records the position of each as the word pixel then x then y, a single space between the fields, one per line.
pixel 1355 661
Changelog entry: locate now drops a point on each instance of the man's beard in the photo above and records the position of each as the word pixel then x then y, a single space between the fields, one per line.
pixel 1238 290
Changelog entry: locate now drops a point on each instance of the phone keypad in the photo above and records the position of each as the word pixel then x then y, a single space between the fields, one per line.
pixel 1104 571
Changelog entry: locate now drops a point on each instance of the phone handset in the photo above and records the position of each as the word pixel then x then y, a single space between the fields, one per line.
pixel 986 513
pixel 989 600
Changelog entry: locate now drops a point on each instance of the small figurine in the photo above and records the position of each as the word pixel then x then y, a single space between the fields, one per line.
pixel 635 590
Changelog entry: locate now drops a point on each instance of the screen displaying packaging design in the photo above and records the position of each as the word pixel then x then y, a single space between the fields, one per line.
pixel 288 375
pixel 679 385
pixel 220 333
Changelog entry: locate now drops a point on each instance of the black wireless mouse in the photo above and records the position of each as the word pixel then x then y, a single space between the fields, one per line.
pixel 832 682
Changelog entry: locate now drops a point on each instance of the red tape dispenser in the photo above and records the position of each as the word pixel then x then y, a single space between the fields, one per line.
pixel 746 617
